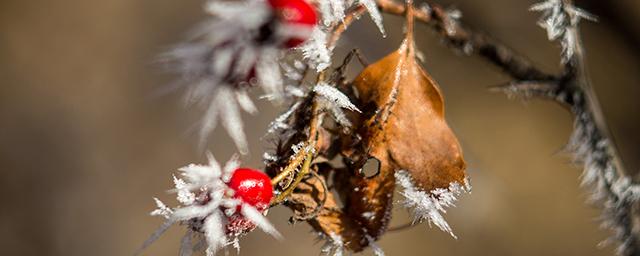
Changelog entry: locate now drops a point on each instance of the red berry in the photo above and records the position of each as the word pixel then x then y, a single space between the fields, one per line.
pixel 252 187
pixel 295 15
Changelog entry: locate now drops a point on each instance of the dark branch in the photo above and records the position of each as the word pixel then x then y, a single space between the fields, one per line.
pixel 591 142
pixel 468 41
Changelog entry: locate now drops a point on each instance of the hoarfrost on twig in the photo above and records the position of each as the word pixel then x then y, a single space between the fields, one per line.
pixel 281 121
pixel 163 210
pixel 185 196
pixel 610 186
pixel 315 50
pixel 333 246
pixel 332 11
pixel 377 251
pixel 558 19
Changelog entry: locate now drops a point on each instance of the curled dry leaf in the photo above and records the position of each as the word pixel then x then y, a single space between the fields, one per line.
pixel 407 128
pixel 402 126
pixel 331 220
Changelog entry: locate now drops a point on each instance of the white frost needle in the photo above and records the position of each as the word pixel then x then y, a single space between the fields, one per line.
pixel 315 50
pixel 281 121
pixel 332 11
pixel 377 251
pixel 429 205
pixel 334 246
pixel 334 100
pixel 558 19
pixel 257 218
pixel 372 8
pixel 214 233
pixel 335 96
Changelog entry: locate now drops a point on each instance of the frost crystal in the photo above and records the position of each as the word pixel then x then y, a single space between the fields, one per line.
pixel 334 100
pixel 280 122
pixel 221 60
pixel 558 19
pixel 315 50
pixel 377 251
pixel 372 8
pixel 616 192
pixel 301 146
pixel 332 11
pixel 163 210
pixel 335 96
pixel 258 218
pixel 334 246
pixel 269 158
pixel 293 73
pixel 224 106
pixel 185 196
pixel 451 24
pixel 429 205
pixel 207 207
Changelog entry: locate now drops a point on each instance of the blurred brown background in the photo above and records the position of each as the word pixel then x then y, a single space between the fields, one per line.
pixel 84 146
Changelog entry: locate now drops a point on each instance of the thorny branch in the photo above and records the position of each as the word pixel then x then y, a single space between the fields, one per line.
pixel 591 142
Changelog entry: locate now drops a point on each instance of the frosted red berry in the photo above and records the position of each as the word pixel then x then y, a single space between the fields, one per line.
pixel 253 187
pixel 295 15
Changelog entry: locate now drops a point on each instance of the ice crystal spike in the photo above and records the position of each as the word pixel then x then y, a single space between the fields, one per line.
pixel 334 101
pixel 372 8
pixel 315 50
pixel 558 18
pixel 429 205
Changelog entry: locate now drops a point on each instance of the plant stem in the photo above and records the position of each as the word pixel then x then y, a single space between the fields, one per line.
pixel 316 117
pixel 306 167
pixel 291 167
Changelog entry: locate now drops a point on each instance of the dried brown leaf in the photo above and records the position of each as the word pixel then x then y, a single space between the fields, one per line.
pixel 331 219
pixel 403 126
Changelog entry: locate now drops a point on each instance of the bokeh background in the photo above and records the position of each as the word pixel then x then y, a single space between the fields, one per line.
pixel 85 143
